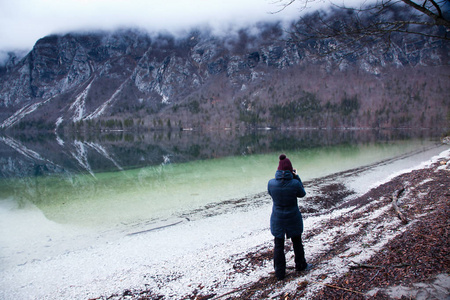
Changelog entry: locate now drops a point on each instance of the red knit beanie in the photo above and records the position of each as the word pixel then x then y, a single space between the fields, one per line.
pixel 285 163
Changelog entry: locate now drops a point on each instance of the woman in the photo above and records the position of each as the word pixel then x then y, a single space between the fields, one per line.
pixel 286 219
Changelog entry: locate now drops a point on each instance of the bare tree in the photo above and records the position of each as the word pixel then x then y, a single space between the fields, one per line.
pixel 437 10
pixel 378 19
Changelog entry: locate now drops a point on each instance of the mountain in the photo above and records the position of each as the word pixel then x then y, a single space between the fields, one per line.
pixel 132 80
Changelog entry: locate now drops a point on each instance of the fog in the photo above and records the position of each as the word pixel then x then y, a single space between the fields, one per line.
pixel 23 22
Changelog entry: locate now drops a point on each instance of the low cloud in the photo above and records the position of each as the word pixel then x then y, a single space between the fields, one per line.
pixel 3 58
pixel 23 22
pixel 12 56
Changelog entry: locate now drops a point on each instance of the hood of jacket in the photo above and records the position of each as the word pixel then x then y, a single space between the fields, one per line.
pixel 283 174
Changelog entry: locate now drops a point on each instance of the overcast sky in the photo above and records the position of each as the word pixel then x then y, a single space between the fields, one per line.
pixel 23 22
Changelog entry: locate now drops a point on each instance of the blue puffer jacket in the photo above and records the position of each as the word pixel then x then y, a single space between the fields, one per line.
pixel 286 219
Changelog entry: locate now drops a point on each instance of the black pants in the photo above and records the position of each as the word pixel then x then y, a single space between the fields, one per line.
pixel 279 259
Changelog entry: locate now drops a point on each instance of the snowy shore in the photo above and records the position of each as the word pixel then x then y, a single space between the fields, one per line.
pixel 200 253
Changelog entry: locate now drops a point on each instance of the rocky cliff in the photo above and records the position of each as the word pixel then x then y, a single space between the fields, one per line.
pixel 133 80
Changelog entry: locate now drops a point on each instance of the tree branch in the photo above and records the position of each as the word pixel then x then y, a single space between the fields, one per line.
pixel 438 18
pixel 400 215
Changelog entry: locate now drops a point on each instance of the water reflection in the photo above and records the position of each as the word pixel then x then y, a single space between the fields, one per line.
pixel 45 154
pixel 132 177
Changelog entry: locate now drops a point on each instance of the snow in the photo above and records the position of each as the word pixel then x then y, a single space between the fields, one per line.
pixel 101 109
pixel 157 255
pixel 59 121
pixel 59 140
pixel 420 291
pixel 22 112
pixel 175 260
pixel 78 106
pixel 386 171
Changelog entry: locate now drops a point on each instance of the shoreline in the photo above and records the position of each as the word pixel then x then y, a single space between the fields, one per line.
pixel 225 252
pixel 436 283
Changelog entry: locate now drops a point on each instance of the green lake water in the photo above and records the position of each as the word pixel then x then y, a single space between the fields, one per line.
pixel 120 195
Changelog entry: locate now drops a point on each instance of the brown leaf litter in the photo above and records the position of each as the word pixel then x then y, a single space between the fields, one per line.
pixel 413 263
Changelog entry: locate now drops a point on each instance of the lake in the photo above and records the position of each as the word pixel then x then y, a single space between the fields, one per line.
pixel 61 193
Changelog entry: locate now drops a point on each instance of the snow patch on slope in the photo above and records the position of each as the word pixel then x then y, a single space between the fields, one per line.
pixel 21 113
pixel 78 106
pixel 101 109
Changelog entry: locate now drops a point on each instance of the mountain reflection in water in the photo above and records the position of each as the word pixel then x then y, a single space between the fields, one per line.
pixel 47 153
pixel 113 178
